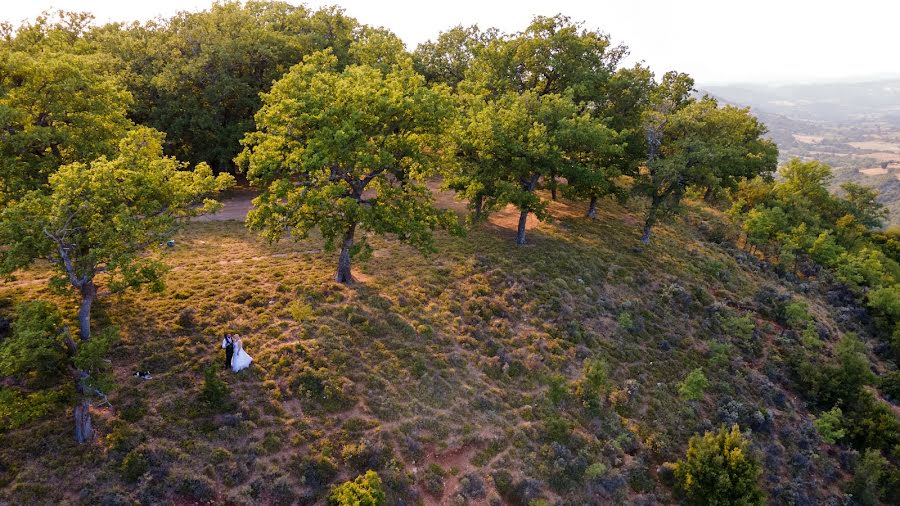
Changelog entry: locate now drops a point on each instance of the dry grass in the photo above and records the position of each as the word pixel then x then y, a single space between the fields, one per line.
pixel 446 360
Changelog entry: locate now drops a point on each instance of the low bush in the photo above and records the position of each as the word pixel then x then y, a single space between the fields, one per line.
pixel 718 470
pixel 365 490
pixel 694 385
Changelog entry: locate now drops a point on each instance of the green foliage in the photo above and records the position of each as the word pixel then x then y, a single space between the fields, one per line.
pixel 91 358
pixel 890 385
pixel 134 465
pixel 796 315
pixel 55 109
pixel 739 327
pixel 447 59
pixel 839 381
pixel 214 392
pixel 719 470
pixel 698 143
pixel 694 385
pixel 529 111
pixel 594 384
pixel 829 425
pixel 104 215
pixel 197 76
pixel 365 490
pixel 863 268
pixel 18 409
pixel 35 349
pixel 866 486
pixel 316 153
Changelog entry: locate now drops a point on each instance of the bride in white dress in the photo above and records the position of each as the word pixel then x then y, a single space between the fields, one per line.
pixel 240 359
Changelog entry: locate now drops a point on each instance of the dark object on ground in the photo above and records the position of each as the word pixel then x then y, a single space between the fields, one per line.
pixel 144 375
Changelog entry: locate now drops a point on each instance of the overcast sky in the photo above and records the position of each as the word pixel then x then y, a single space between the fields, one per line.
pixel 716 41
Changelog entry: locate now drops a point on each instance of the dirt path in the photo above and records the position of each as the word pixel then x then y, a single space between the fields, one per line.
pixel 237 203
pixel 235 206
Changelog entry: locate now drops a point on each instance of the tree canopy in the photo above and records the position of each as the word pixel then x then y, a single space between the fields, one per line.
pixel 101 217
pixel 347 149
pixel 55 109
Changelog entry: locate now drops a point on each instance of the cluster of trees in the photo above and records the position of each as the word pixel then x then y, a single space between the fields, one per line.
pixel 798 224
pixel 353 119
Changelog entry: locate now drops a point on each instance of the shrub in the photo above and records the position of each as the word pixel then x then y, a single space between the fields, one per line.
pixel 890 386
pixel 433 480
pixel 134 465
pixel 829 424
pixel 18 409
pixel 866 486
pixel 365 490
pixel 796 315
pixel 694 385
pixel 718 470
pixel 593 386
pixel 739 327
pixel 35 346
pixel 214 392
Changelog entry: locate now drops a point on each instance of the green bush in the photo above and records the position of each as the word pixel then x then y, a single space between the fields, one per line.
pixel 693 386
pixel 890 385
pixel 365 490
pixel 829 424
pixel 35 349
pixel 134 465
pixel 214 392
pixel 18 409
pixel 866 486
pixel 594 384
pixel 718 470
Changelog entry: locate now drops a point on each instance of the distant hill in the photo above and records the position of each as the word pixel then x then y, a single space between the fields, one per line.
pixel 825 102
pixel 852 126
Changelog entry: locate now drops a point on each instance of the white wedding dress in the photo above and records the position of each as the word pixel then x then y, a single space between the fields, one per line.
pixel 240 360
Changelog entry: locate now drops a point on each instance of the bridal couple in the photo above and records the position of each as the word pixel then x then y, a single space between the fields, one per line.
pixel 235 356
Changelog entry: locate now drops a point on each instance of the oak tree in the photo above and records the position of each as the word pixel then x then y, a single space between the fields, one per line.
pixel 346 151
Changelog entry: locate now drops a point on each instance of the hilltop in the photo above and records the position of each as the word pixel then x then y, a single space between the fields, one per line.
pixel 455 377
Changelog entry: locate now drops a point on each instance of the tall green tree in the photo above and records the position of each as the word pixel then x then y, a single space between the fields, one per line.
pixel 197 76
pixel 553 55
pixel 346 150
pixel 620 104
pixel 55 109
pixel 97 220
pixel 508 144
pixel 448 58
pixel 698 143
pixel 97 223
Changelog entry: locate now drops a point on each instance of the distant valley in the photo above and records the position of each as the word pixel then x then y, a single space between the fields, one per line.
pixel 854 127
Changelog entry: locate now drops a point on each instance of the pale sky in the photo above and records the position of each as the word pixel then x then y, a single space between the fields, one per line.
pixel 716 41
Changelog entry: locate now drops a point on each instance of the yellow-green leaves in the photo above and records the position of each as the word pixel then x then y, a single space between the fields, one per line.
pixel 106 213
pixel 55 108
pixel 339 148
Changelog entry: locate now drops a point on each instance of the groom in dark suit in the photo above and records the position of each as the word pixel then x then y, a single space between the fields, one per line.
pixel 228 344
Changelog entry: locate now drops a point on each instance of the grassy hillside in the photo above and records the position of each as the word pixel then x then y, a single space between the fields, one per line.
pixel 459 378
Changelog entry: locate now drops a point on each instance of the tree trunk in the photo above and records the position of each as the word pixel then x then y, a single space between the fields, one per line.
pixel 84 431
pixel 553 186
pixel 478 207
pixel 592 208
pixel 650 221
pixel 520 234
pixel 88 295
pixel 708 195
pixel 343 270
